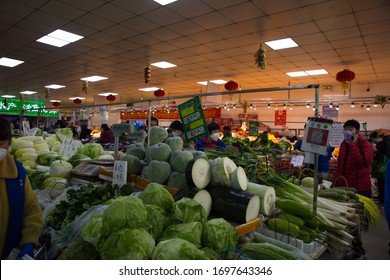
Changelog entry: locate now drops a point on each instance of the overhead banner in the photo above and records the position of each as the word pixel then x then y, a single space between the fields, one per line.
pixel 28 107
pixel 211 113
pixel 192 118
pixel 280 117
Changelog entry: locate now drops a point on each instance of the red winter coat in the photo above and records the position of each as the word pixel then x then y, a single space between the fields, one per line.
pixel 350 164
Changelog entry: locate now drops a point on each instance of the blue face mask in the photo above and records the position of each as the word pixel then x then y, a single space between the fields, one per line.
pixel 175 134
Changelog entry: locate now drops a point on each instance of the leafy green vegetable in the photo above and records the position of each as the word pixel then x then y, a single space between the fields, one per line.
pixel 64 133
pixel 188 210
pixel 60 168
pixel 91 150
pixel 177 249
pixel 191 232
pixel 156 194
pixel 156 219
pixel 219 235
pixel 157 171
pixel 124 212
pixel 55 183
pixel 47 159
pixel 128 244
pixel 157 135
pixel 79 249
pixel 76 159
pixel 93 230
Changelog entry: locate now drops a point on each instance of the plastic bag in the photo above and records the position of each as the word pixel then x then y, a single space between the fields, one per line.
pixel 61 239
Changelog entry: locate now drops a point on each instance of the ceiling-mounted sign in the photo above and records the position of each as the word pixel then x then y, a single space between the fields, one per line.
pixel 192 118
pixel 29 108
pixel 280 117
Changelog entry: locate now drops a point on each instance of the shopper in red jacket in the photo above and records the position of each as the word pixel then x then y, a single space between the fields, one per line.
pixel 354 160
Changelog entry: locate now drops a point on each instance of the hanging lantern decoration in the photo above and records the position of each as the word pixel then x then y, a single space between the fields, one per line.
pixel 77 101
pixel 231 85
pixel 159 93
pixel 84 88
pixel 345 77
pixel 111 98
pixel 47 93
pixel 260 57
pixel 147 74
pixel 56 104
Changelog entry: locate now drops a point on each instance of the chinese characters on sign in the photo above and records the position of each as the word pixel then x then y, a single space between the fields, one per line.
pixel 191 115
pixel 69 147
pixel 280 117
pixel 120 173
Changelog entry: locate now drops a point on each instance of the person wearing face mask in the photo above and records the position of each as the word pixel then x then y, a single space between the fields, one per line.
pixel 176 128
pixel 20 214
pixel 211 141
pixel 354 160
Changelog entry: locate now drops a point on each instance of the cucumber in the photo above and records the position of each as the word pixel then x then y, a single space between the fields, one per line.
pixel 292 218
pixel 293 207
pixel 283 226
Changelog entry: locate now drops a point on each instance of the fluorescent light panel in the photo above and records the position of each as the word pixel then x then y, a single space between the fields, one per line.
pixel 218 82
pixel 204 83
pixel 73 98
pixel 53 100
pixel 8 96
pixel 107 93
pixel 307 73
pixel 297 74
pixel 164 2
pixel 59 38
pixel 54 86
pixel 28 92
pixel 94 78
pixel 9 62
pixel 149 89
pixel 281 44
pixel 163 64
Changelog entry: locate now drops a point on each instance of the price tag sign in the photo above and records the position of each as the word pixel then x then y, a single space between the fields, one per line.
pixel 120 173
pixel 69 147
pixel 316 137
pixel 336 135
pixel 253 128
pixel 191 115
pixel 297 161
pixel 119 128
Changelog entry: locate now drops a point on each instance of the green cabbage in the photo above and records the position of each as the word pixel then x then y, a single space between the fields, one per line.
pixel 55 183
pixel 177 249
pixel 307 182
pixel 79 249
pixel 191 232
pixel 124 212
pixel 156 219
pixel 188 210
pixel 157 171
pixel 47 159
pixel 219 235
pixel 156 194
pixel 91 150
pixel 76 159
pixel 60 168
pixel 157 135
pixel 93 230
pixel 128 244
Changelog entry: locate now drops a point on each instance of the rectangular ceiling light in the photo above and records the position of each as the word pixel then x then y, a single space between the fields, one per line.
pixel 218 82
pixel 28 92
pixel 59 38
pixel 9 62
pixel 94 78
pixel 297 74
pixel 107 93
pixel 54 86
pixel 54 100
pixel 164 2
pixel 163 64
pixel 282 44
pixel 203 83
pixel 149 89
pixel 73 98
pixel 317 72
pixel 8 96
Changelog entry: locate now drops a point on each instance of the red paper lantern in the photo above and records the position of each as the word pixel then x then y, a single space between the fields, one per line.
pixel 56 104
pixel 77 101
pixel 159 93
pixel 345 77
pixel 111 98
pixel 231 85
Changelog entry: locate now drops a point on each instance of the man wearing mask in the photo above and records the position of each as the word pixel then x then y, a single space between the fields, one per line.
pixel 354 160
pixel 211 141
pixel 177 131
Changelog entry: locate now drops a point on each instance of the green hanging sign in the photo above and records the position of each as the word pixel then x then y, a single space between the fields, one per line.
pixel 29 108
pixel 191 115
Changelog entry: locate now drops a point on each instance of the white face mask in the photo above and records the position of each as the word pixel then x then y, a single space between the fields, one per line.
pixel 3 153
pixel 214 136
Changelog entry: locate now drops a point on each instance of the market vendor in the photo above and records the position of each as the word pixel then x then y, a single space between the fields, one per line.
pixel 20 212
pixel 212 140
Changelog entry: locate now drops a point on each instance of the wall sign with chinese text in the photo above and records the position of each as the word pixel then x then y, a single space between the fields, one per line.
pixel 280 117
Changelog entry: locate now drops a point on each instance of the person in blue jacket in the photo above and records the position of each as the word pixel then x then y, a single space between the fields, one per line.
pixel 386 207
pixel 212 140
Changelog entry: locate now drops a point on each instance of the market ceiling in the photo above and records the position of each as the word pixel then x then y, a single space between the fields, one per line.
pixel 206 39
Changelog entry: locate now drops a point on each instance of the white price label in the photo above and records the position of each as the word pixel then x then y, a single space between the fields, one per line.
pixel 297 161
pixel 69 147
pixel 120 173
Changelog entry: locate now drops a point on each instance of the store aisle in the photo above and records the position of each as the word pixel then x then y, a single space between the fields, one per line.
pixel 376 240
